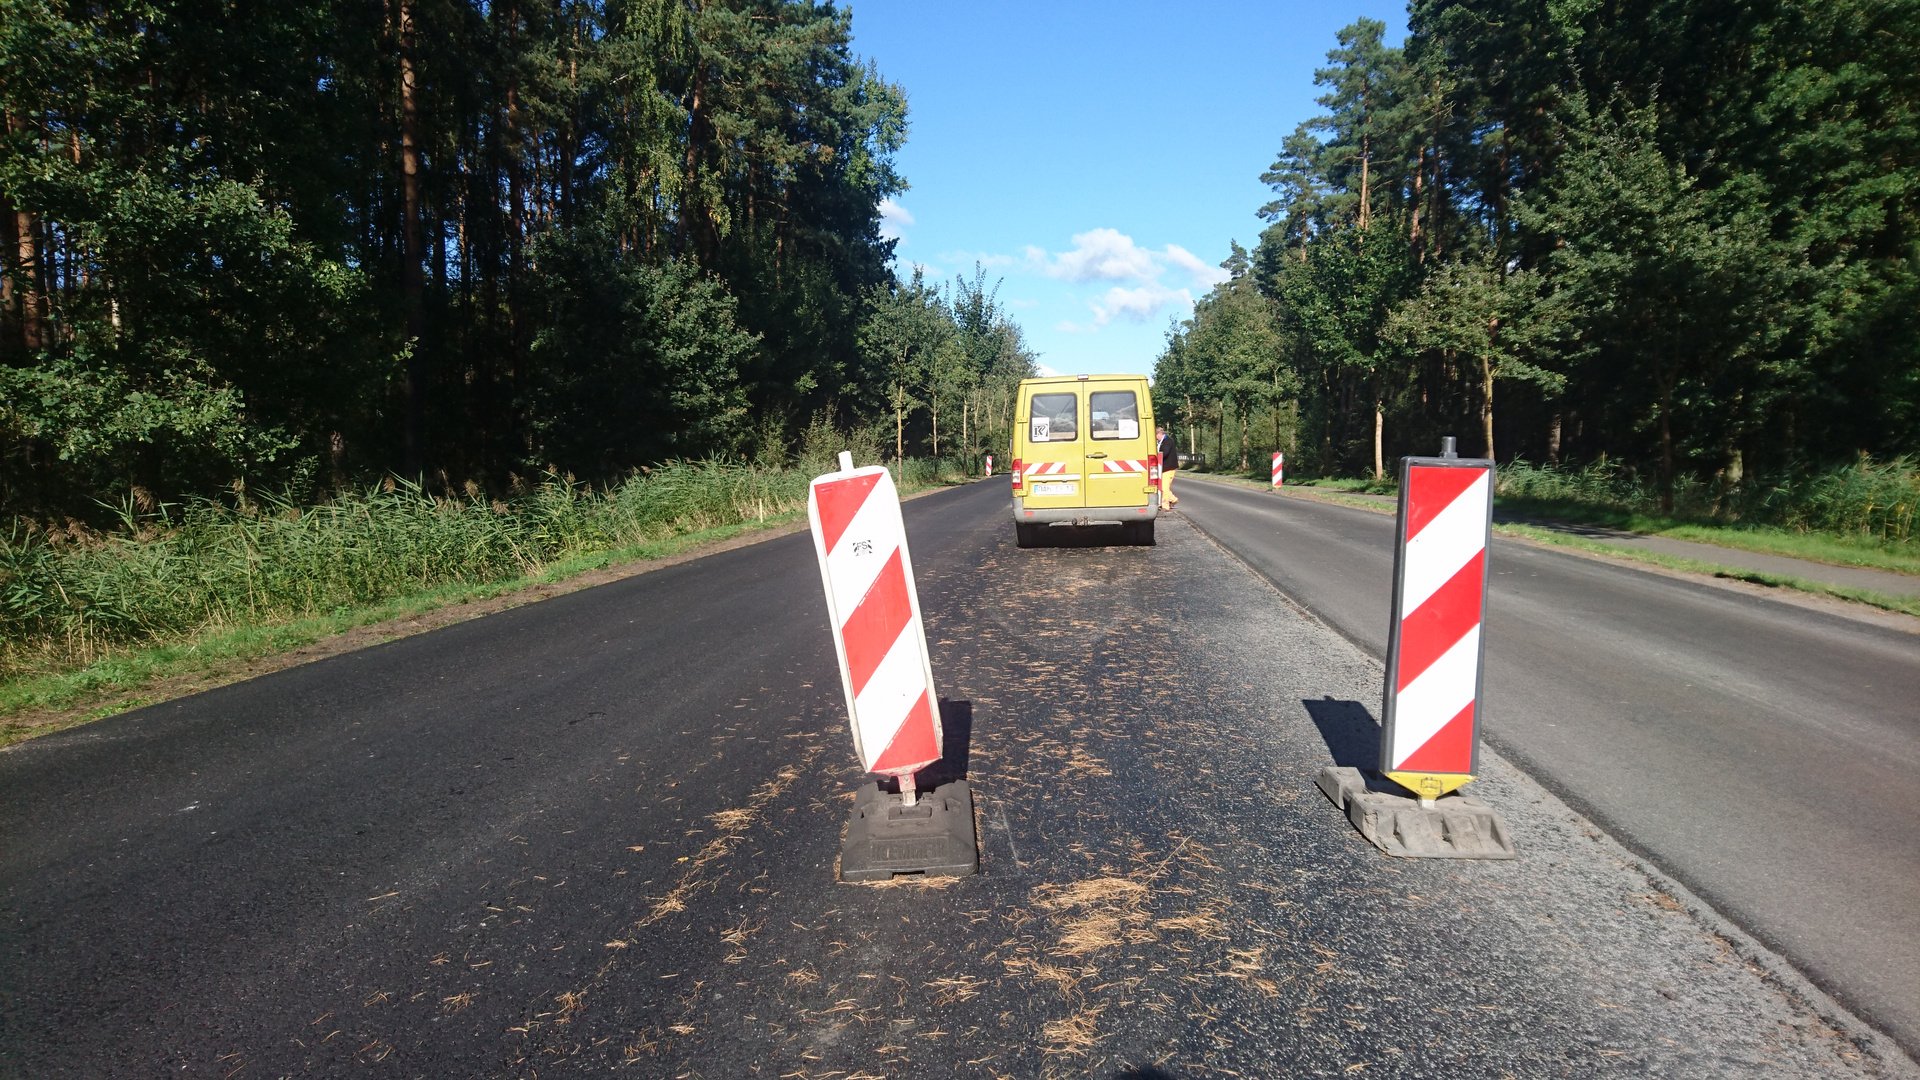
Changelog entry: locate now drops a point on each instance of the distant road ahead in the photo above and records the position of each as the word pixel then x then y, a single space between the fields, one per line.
pixel 1764 754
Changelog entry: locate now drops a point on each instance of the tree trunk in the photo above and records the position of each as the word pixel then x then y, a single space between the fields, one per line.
pixel 1379 427
pixel 899 422
pixel 26 275
pixel 516 238
pixel 933 410
pixel 1364 162
pixel 1553 440
pixel 1244 466
pixel 1486 403
pixel 1666 445
pixel 412 270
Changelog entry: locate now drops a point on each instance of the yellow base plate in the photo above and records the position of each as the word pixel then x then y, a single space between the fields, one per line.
pixel 1430 785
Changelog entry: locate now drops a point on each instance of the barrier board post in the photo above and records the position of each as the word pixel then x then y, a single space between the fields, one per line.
pixel 1430 716
pixel 885 671
pixel 1279 467
pixel 989 466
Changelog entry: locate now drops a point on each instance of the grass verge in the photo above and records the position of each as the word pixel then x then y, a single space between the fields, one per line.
pixel 136 675
pixel 1857 549
pixel 1840 550
pixel 133 677
pixel 1903 604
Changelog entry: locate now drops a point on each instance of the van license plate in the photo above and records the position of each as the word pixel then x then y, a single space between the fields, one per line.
pixel 1055 489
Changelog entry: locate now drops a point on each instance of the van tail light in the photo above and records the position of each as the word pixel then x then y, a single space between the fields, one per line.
pixel 1018 467
pixel 1153 469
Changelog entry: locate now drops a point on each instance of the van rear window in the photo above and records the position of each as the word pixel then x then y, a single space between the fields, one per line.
pixel 1115 414
pixel 1054 418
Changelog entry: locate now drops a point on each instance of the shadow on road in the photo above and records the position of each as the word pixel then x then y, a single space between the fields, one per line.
pixel 956 726
pixel 1349 729
pixel 1085 536
pixel 1147 1072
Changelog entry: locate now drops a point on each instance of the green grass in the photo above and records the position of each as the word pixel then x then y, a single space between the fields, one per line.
pixel 1905 604
pixel 1858 515
pixel 87 618
pixel 1839 549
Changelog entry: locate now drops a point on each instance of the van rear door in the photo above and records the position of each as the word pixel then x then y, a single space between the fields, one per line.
pixel 1119 441
pixel 1055 448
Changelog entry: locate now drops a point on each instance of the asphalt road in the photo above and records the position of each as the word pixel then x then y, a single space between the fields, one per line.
pixel 1762 753
pixel 597 834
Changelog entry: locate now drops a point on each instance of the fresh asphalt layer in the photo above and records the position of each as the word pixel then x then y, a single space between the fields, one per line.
pixel 1762 753
pixel 598 833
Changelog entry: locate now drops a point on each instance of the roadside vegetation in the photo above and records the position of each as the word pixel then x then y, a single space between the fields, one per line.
pixel 85 613
pixel 1668 246
pixel 1855 515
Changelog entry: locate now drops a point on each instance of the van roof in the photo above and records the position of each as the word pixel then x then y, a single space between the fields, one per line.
pixel 1077 378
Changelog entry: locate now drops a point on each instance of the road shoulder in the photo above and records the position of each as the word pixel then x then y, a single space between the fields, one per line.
pixel 291 645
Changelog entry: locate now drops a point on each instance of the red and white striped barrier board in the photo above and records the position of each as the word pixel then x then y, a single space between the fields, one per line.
pixel 1046 468
pixel 989 465
pixel 1429 740
pixel 1125 465
pixel 875 611
pixel 1279 467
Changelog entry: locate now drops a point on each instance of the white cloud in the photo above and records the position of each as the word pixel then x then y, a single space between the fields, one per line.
pixel 1111 255
pixel 1204 275
pixel 1100 255
pixel 1044 371
pixel 1136 305
pixel 892 217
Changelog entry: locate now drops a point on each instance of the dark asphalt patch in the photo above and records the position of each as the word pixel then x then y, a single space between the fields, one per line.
pixel 435 866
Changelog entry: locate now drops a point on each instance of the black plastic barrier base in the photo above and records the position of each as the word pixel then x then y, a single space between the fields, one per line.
pixel 1457 826
pixel 935 836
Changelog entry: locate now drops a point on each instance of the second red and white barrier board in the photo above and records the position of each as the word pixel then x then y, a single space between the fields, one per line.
pixel 875 611
pixel 1435 648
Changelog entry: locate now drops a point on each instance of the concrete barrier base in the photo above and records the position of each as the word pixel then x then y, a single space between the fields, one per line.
pixel 1457 826
pixel 934 837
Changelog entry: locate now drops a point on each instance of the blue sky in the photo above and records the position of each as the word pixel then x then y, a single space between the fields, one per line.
pixel 1098 157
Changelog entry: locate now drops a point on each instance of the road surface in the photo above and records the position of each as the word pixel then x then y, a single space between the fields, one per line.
pixel 1764 754
pixel 597 834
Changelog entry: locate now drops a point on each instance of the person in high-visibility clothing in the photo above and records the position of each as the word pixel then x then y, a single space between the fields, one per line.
pixel 1169 464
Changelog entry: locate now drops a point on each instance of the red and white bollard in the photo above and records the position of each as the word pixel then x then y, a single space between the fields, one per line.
pixel 1279 467
pixel 989 465
pixel 1429 743
pixel 875 612
pixel 888 679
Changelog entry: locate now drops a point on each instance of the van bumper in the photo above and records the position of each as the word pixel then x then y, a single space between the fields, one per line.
pixel 1086 515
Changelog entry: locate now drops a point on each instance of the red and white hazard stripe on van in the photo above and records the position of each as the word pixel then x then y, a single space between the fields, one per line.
pixel 875 612
pixel 1045 468
pixel 1125 465
pixel 1440 588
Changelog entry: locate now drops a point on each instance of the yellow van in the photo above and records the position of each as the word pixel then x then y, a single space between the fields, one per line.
pixel 1083 454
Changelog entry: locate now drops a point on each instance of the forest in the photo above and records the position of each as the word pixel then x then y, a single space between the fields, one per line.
pixel 1676 239
pixel 304 247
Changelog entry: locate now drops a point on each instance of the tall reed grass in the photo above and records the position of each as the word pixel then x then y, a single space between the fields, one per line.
pixel 1868 500
pixel 67 596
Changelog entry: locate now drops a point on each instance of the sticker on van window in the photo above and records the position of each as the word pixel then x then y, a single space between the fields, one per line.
pixel 1042 429
pixel 1129 429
